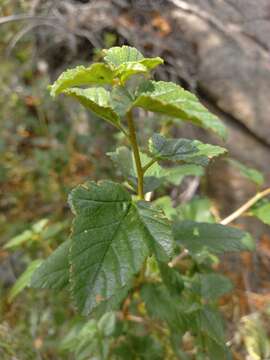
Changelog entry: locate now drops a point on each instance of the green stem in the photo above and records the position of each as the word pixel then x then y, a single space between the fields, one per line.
pixel 135 149
pixel 147 166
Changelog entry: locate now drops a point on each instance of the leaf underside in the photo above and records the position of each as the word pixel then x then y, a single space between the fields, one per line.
pixel 172 100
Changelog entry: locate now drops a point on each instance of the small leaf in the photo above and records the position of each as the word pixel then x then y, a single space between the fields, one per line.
pixel 214 238
pixel 197 209
pixel 107 323
pixel 121 100
pixel 171 149
pixel 127 61
pixel 161 306
pixel 54 271
pixel 250 173
pixel 172 100
pixel 262 212
pixel 211 286
pixel 191 151
pixel 19 240
pixel 95 74
pixel 98 100
pixel 24 280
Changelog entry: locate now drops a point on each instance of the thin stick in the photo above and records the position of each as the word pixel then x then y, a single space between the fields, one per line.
pixel 22 17
pixel 245 207
pixel 135 149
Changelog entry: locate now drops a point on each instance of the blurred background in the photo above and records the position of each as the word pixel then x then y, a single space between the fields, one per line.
pixel 218 49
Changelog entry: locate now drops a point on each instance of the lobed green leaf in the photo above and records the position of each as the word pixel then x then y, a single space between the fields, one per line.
pixel 95 74
pixel 111 238
pixel 172 100
pixel 98 100
pixel 53 273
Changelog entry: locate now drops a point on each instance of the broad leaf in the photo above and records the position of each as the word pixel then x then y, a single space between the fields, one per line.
pixel 262 212
pixel 95 74
pixel 54 271
pixel 172 100
pixel 250 173
pixel 98 100
pixel 111 238
pixel 215 238
pixel 24 280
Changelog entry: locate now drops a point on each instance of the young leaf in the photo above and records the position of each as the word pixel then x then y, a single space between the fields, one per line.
pixel 53 273
pixel 118 55
pixel 262 212
pixel 110 241
pixel 171 99
pixel 127 61
pixel 250 173
pixel 24 280
pixel 95 74
pixel 214 238
pixel 98 100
